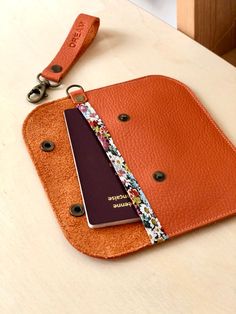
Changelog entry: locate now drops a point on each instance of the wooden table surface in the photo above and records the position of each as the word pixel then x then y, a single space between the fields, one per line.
pixel 40 272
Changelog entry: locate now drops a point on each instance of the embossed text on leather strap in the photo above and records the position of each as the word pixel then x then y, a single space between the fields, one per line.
pixel 79 38
pixel 81 35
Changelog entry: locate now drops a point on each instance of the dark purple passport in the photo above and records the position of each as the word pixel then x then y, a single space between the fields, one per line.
pixel 105 199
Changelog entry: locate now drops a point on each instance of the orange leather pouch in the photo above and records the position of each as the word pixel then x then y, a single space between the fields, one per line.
pixel 169 133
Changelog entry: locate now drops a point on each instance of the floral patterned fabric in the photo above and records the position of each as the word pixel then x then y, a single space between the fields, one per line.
pixel 150 221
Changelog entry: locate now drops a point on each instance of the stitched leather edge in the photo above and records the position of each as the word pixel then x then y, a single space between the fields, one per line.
pixel 177 231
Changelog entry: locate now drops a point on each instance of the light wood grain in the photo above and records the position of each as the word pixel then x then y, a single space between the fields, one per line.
pixel 186 17
pixel 40 272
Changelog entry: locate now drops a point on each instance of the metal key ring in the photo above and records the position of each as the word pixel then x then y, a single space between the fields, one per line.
pixel 42 79
pixel 74 85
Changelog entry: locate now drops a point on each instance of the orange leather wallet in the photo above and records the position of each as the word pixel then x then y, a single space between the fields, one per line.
pixel 184 164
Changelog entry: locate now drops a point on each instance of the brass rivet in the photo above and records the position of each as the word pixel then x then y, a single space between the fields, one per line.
pixel 56 68
pixel 80 98
pixel 159 176
pixel 77 210
pixel 47 146
pixel 124 117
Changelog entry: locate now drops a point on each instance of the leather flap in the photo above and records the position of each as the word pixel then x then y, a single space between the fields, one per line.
pixel 168 131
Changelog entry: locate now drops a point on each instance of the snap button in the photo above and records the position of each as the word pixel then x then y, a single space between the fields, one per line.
pixel 80 98
pixel 56 68
pixel 159 176
pixel 77 210
pixel 47 146
pixel 123 117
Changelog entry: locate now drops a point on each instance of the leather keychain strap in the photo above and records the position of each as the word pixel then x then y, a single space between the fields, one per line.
pixel 79 38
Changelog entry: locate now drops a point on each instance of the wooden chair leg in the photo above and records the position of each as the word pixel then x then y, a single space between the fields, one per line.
pixel 212 23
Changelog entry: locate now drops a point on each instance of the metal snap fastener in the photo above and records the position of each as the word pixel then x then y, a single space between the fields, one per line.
pixel 124 117
pixel 77 210
pixel 159 176
pixel 47 146
pixel 56 68
pixel 80 98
